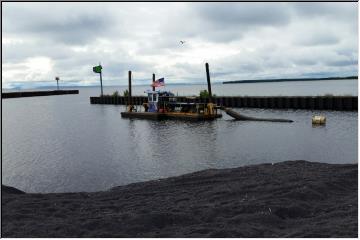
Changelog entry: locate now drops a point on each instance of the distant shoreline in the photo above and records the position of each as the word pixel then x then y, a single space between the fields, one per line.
pixel 218 82
pixel 290 80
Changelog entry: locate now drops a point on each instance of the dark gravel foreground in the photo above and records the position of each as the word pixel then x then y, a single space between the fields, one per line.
pixel 288 199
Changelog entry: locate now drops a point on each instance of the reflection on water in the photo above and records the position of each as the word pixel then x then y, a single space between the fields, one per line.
pixel 63 144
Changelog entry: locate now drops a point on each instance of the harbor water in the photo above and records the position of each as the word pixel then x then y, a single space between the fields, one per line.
pixel 65 144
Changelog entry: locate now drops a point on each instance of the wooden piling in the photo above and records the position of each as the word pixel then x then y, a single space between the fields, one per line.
pixel 153 80
pixel 129 95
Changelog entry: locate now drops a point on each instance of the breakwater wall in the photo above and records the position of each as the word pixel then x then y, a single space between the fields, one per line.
pixel 37 93
pixel 341 103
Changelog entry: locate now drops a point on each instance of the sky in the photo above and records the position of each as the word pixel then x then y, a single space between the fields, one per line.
pixel 240 41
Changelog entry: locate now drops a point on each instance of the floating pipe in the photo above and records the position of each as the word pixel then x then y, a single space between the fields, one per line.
pixel 241 117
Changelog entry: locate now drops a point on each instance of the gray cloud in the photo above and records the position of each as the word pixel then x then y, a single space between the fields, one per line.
pixel 339 11
pixel 56 22
pixel 221 22
pixel 341 62
pixel 74 31
pixel 244 14
pixel 316 39
pixel 239 40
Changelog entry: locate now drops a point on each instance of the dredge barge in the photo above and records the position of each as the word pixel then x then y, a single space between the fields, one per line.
pixel 164 105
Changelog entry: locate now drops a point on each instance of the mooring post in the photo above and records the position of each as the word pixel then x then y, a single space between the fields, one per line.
pixel 208 81
pixel 153 88
pixel 129 95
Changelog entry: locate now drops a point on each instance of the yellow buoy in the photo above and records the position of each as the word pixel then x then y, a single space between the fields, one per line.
pixel 318 120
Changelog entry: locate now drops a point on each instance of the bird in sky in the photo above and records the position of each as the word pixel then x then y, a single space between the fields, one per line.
pixel 182 42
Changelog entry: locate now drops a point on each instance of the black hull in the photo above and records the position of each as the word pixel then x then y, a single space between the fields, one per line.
pixel 175 116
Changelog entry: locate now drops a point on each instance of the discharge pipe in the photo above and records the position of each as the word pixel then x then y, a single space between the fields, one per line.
pixel 241 117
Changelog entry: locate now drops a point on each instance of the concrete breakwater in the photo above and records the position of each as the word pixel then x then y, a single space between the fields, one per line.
pixel 37 93
pixel 341 103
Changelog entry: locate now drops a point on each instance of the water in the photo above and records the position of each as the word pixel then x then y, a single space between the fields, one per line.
pixel 64 144
pixel 315 88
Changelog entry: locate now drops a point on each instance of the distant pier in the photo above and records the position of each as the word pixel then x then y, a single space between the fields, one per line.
pixel 340 103
pixel 291 80
pixel 37 93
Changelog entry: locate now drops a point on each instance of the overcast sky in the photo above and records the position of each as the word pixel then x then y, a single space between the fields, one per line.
pixel 238 40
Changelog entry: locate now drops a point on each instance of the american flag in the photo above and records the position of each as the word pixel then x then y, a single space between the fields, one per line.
pixel 158 83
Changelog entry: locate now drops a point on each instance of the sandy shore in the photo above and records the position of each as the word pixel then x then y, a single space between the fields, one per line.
pixel 288 199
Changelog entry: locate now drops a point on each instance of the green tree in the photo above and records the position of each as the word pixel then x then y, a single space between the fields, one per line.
pixel 126 93
pixel 205 94
pixel 115 94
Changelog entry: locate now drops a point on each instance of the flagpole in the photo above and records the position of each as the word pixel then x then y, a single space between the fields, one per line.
pixel 101 79
pixel 101 84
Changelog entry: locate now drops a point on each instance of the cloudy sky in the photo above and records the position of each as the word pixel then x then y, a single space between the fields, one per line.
pixel 239 40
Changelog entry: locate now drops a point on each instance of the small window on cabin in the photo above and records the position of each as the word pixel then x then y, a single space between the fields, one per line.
pixel 150 97
pixel 154 97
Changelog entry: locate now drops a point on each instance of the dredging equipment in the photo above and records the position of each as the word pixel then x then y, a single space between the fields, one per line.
pixel 164 105
pixel 318 120
pixel 240 117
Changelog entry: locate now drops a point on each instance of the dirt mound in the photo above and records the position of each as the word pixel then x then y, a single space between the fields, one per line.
pixel 288 199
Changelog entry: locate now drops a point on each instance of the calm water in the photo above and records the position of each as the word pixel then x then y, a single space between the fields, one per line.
pixel 342 87
pixel 64 144
pixel 335 87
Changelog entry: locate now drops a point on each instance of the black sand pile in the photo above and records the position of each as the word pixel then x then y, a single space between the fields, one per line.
pixel 288 199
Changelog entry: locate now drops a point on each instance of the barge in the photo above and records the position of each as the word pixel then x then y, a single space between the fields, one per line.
pixel 164 105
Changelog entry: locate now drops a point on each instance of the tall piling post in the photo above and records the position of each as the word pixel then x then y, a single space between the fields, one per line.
pixel 129 95
pixel 208 81
pixel 153 80
pixel 102 93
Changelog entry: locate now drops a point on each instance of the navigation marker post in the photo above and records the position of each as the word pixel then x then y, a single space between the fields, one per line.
pixel 97 69
pixel 57 82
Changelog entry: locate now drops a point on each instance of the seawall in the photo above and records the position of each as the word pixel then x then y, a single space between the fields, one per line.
pixel 340 103
pixel 37 93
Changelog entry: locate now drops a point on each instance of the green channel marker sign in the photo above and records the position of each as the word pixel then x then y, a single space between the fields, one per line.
pixel 97 69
